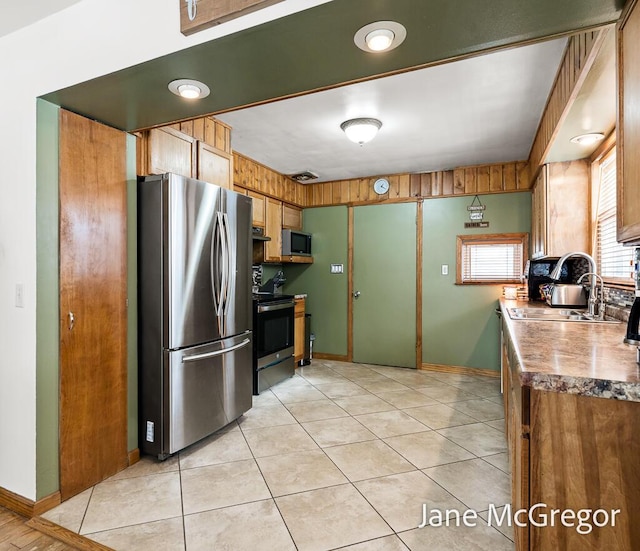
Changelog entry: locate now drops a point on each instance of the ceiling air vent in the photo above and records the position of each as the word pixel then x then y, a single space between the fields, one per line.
pixel 304 176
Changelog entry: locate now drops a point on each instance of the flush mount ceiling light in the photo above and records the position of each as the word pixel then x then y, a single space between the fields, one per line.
pixel 189 89
pixel 380 36
pixel 361 131
pixel 588 139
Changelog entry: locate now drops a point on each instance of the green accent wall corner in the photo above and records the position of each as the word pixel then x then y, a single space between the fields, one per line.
pixel 47 300
pixel 327 293
pixel 459 326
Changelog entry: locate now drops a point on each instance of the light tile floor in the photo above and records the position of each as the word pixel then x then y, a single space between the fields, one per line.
pixel 341 456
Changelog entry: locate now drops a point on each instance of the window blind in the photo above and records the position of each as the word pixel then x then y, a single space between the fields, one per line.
pixel 612 258
pixel 492 261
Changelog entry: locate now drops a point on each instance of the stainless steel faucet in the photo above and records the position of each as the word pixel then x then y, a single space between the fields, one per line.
pixel 556 274
pixel 592 298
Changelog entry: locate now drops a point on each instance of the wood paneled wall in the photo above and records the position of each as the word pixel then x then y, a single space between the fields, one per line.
pixel 208 130
pixel 249 174
pixel 497 178
pixel 577 61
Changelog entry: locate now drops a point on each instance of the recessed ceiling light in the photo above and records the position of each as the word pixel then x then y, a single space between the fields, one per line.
pixel 189 88
pixel 361 131
pixel 588 139
pixel 380 36
pixel 379 40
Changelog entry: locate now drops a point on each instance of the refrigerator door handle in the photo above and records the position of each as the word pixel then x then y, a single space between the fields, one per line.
pixel 196 357
pixel 224 287
pixel 215 283
pixel 230 266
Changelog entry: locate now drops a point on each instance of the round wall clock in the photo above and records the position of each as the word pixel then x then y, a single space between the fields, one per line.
pixel 381 186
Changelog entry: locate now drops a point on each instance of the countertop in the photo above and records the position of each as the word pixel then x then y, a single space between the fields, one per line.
pixel 589 359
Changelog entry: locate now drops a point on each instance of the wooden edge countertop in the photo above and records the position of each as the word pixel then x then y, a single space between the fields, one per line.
pixel 584 358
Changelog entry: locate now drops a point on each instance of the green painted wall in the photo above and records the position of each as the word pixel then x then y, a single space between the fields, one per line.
pixel 47 298
pixel 459 325
pixel 327 293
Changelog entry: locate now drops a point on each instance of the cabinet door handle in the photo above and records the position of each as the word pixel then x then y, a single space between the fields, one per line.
pixel 72 320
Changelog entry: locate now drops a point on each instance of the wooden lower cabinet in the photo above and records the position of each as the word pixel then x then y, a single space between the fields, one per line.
pixel 298 330
pixel 516 402
pixel 572 453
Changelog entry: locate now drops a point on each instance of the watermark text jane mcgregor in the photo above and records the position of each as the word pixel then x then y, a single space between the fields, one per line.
pixel 538 515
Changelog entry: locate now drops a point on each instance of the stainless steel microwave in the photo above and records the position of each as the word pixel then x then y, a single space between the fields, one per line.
pixel 295 242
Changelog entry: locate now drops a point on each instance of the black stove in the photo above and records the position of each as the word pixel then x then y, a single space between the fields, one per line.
pixel 273 321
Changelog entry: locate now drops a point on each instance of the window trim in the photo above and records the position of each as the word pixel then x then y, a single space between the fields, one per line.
pixel 491 238
pixel 598 157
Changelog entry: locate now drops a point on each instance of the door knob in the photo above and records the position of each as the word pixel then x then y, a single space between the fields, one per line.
pixel 72 320
pixel 356 294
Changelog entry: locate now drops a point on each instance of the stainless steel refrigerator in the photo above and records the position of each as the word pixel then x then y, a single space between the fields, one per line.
pixel 195 310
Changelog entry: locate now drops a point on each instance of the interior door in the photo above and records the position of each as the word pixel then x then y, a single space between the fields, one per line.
pixel 93 293
pixel 384 284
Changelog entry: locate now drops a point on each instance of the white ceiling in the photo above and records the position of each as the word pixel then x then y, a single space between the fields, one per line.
pixel 480 110
pixel 15 14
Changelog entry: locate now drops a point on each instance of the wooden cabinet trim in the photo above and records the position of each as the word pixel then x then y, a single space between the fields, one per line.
pixel 628 139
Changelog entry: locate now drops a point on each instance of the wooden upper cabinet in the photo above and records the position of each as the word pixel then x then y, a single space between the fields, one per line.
pixel 169 150
pixel 215 166
pixel 273 229
pixel 258 208
pixel 628 128
pixel 291 217
pixel 560 209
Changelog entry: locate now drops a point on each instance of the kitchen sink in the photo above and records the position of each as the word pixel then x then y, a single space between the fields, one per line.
pixel 553 314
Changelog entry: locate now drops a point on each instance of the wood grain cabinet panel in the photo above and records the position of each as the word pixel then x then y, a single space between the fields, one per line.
pixel 273 229
pixel 584 455
pixel 298 329
pixel 560 209
pixel 259 217
pixel 291 217
pixel 628 128
pixel 215 166
pixel 170 150
pixel 516 403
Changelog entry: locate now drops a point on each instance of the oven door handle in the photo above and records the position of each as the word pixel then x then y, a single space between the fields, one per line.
pixel 215 353
pixel 275 306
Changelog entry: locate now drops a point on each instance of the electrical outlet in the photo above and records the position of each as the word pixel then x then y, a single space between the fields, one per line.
pixel 445 269
pixel 19 295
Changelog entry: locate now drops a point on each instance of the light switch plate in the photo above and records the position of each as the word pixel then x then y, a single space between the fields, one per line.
pixel 337 268
pixel 150 427
pixel 445 269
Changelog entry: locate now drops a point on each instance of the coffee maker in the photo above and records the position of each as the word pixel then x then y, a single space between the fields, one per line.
pixel 633 325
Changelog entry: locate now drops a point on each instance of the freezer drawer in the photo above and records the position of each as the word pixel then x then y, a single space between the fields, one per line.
pixel 206 387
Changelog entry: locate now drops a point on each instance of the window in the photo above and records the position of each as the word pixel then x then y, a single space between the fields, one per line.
pixel 495 258
pixel 612 259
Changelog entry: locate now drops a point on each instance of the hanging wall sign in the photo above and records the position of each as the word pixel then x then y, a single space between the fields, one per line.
pixel 476 213
pixel 198 15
